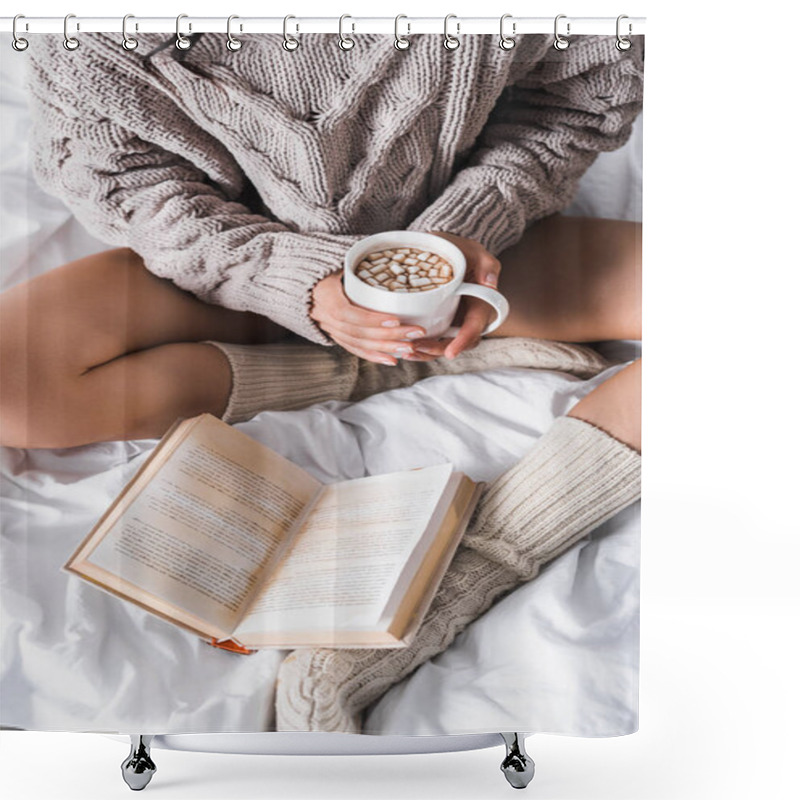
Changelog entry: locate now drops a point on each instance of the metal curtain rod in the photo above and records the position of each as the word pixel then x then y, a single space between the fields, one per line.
pixel 354 25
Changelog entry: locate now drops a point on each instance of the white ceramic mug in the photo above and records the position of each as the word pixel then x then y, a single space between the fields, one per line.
pixel 433 310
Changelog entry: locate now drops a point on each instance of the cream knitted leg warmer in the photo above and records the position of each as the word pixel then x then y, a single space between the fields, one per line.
pixel 285 376
pixel 575 478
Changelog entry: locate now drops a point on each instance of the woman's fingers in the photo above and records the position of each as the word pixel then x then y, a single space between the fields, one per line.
pixel 361 342
pixel 377 356
pixel 343 310
pixel 339 317
pixel 476 317
pixel 349 314
pixel 388 335
pixel 482 266
pixel 432 347
pixel 487 270
pixel 331 305
pixel 367 355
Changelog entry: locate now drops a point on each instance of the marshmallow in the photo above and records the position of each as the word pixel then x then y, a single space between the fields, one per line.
pixel 406 269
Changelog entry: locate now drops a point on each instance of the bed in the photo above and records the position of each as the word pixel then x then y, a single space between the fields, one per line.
pixel 77 659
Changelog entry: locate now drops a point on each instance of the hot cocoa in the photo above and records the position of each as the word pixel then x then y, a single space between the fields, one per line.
pixel 405 269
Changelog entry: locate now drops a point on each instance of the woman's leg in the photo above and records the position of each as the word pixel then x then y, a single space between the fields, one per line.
pixel 578 279
pixel 616 406
pixel 574 279
pixel 101 349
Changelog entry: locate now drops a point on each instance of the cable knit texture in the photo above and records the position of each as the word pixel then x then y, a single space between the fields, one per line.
pixel 244 177
pixel 286 376
pixel 574 478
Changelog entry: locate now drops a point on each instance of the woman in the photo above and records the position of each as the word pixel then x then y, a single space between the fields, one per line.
pixel 232 184
pixel 243 178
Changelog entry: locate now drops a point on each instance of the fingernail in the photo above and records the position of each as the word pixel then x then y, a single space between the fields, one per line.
pixel 415 334
pixel 426 350
pixel 490 280
pixel 404 349
pixel 390 362
pixel 391 323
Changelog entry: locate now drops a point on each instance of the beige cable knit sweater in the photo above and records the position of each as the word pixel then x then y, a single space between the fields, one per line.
pixel 244 177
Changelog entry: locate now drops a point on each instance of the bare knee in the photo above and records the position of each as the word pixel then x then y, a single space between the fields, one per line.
pixel 574 279
pixel 615 406
pixel 42 328
pixel 37 402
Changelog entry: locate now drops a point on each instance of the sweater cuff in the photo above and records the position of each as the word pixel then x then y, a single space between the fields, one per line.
pixel 474 213
pixel 296 262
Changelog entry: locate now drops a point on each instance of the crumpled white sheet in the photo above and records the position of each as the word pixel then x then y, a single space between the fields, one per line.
pixel 559 654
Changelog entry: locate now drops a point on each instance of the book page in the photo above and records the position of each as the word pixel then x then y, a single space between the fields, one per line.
pixel 349 552
pixel 405 610
pixel 201 533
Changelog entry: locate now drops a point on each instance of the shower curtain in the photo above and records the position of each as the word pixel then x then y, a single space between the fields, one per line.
pixel 237 173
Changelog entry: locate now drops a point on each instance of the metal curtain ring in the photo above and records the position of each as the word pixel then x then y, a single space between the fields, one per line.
pixel 560 42
pixel 70 42
pixel 128 42
pixel 623 42
pixel 18 43
pixel 233 44
pixel 507 42
pixel 289 42
pixel 451 42
pixel 181 42
pixel 345 42
pixel 400 42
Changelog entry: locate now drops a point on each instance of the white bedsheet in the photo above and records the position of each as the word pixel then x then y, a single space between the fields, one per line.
pixel 559 654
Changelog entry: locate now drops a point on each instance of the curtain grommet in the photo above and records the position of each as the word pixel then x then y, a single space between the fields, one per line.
pixel 401 42
pixel 129 42
pixel 233 44
pixel 345 42
pixel 560 42
pixel 507 42
pixel 181 41
pixel 623 42
pixel 18 42
pixel 290 44
pixel 449 41
pixel 70 42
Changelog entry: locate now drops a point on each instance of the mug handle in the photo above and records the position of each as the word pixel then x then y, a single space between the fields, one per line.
pixel 490 296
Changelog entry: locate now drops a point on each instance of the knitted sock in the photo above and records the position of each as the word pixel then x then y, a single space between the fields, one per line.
pixel 285 376
pixel 575 478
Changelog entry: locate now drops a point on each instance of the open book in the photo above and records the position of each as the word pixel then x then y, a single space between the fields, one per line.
pixel 221 535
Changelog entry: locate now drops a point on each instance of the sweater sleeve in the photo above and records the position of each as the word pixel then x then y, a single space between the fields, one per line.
pixel 130 192
pixel 545 131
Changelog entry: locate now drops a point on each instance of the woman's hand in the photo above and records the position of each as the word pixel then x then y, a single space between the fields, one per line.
pixel 371 335
pixel 473 314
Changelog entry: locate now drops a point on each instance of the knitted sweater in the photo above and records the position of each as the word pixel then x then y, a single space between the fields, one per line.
pixel 244 177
